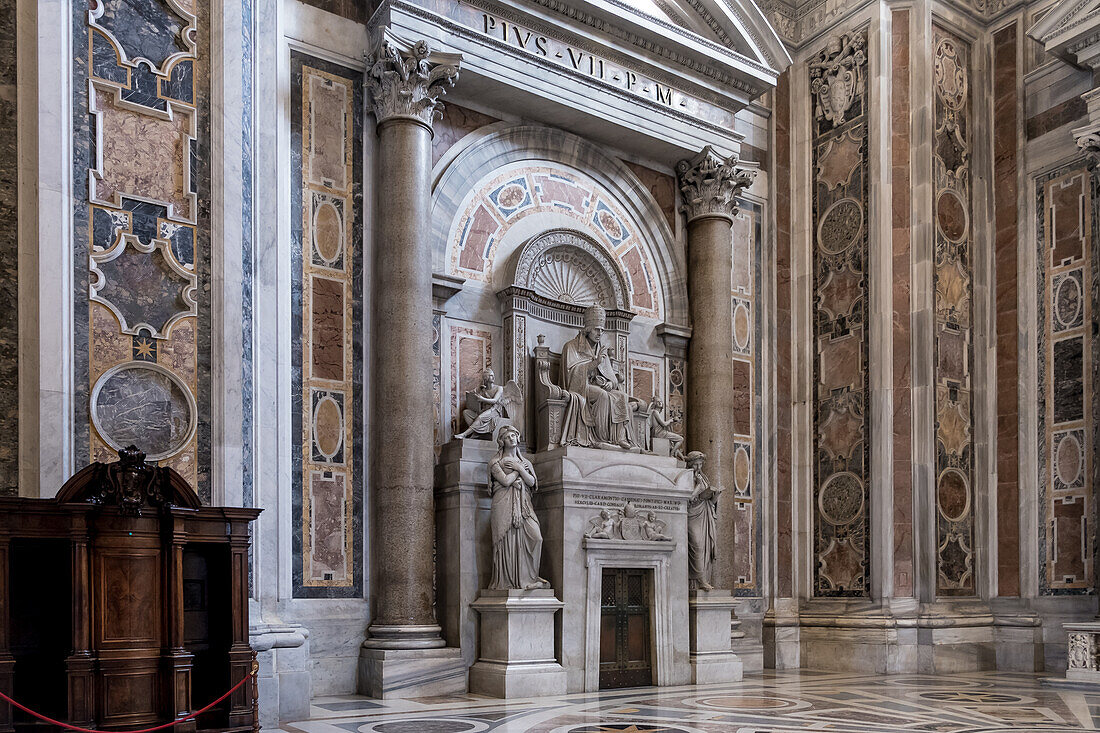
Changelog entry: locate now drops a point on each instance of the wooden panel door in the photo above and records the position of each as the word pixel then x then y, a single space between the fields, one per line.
pixel 626 640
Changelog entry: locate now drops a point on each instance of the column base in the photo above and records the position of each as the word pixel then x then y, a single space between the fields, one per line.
pixel 710 616
pixel 397 673
pixel 517 645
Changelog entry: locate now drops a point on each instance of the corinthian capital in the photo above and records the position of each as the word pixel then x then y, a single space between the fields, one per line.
pixel 406 81
pixel 710 184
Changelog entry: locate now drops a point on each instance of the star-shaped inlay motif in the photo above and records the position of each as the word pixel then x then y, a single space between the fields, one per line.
pixel 143 348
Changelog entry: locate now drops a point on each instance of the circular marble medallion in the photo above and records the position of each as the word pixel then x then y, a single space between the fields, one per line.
pixel 511 196
pixel 741 326
pixel 328 233
pixel 328 426
pixel 971 697
pixel 953 495
pixel 745 702
pixel 841 498
pixel 840 226
pixel 951 216
pixel 426 725
pixel 627 728
pixel 141 403
pixel 1067 302
pixel 1068 459
pixel 742 467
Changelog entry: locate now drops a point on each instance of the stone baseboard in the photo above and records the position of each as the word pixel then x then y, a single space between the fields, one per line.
pixel 511 680
pixel 712 668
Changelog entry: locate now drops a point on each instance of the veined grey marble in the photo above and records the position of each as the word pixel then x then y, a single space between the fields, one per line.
pixel 517 645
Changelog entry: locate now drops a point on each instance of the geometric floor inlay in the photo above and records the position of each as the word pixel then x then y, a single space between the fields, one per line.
pixel 768 702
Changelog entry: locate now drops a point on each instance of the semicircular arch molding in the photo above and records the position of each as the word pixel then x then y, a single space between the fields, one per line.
pixel 528 179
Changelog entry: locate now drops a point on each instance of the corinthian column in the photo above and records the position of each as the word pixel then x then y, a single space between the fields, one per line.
pixel 709 186
pixel 404 646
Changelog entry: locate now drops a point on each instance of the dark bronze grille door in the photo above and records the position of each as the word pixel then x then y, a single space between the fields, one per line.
pixel 625 639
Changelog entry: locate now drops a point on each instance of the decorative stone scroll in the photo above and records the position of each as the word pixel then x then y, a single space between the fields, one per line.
pixel 406 82
pixel 710 184
pixel 627 524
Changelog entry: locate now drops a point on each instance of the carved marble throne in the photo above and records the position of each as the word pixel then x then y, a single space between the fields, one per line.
pixel 555 275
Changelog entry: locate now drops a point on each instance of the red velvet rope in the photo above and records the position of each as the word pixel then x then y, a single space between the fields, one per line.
pixel 195 714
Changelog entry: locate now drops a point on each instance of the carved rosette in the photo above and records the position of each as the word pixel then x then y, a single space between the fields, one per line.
pixel 406 83
pixel 710 184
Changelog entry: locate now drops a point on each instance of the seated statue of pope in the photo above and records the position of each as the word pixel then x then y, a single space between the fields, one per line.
pixel 599 413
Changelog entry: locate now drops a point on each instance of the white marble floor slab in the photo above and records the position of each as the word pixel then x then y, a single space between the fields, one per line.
pixel 772 702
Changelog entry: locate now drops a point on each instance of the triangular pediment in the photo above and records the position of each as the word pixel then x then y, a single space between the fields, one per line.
pixel 1070 30
pixel 722 32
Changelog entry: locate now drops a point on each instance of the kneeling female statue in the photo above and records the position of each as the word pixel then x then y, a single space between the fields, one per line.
pixel 517 539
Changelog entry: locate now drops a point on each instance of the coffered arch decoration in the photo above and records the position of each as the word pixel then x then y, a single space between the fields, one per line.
pixel 570 267
pixel 530 179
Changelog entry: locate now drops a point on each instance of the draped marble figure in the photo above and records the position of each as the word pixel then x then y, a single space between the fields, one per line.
pixel 702 525
pixel 599 412
pixel 517 538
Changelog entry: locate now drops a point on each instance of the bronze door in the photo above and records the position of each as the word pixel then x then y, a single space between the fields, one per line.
pixel 625 637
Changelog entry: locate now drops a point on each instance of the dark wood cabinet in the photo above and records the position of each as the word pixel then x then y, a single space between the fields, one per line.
pixel 124 603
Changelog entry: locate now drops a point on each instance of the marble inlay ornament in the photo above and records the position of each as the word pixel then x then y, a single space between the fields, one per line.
pixel 841 498
pixel 143 284
pixel 406 83
pixel 143 404
pixel 950 74
pixel 710 184
pixel 840 226
pixel 836 76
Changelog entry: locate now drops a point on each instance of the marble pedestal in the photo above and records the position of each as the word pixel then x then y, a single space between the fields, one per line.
pixel 517 645
pixel 574 485
pixel 1082 644
pixel 712 658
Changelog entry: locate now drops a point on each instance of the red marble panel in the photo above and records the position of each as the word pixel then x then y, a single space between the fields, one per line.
pixel 638 282
pixel 742 397
pixel 840 363
pixel 1069 541
pixel 482 227
pixel 1071 110
pixel 327 539
pixel 327 332
pixel 1066 219
pixel 555 190
pixel 457 122
pixel 661 186
pixel 1005 193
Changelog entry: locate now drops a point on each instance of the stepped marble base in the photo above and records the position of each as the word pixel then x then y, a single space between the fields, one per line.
pixel 712 660
pixel 396 673
pixel 517 645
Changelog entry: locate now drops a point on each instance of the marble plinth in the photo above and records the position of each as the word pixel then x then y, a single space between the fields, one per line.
pixel 574 484
pixel 517 645
pixel 394 673
pixel 1082 642
pixel 712 658
pixel 284 680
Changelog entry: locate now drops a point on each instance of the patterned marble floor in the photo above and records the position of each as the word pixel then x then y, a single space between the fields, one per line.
pixel 772 702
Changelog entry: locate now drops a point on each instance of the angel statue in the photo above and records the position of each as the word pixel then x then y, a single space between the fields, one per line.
pixel 491 405
pixel 602 527
pixel 702 525
pixel 517 539
pixel 653 529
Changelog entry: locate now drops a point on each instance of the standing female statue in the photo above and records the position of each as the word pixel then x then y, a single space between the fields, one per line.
pixel 702 525
pixel 517 539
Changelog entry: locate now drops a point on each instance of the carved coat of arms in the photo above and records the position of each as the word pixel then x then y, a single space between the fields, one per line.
pixel 836 76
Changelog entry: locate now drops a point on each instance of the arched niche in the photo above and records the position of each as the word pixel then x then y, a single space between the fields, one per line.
pixel 552 279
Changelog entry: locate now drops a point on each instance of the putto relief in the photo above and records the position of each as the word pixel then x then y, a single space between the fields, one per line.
pixel 628 524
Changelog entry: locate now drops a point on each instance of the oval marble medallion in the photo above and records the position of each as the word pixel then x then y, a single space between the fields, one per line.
pixel 840 226
pixel 511 196
pixel 141 403
pixel 741 326
pixel 951 215
pixel 328 426
pixel 610 225
pixel 841 498
pixel 1067 460
pixel 328 233
pixel 1067 302
pixel 742 467
pixel 952 495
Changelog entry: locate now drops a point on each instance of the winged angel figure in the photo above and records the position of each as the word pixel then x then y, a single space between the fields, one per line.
pixel 490 406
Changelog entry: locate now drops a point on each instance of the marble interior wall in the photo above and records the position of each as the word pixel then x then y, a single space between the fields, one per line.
pixel 142 260
pixel 1006 224
pixel 841 544
pixel 784 571
pixel 1067 290
pixel 327 303
pixel 9 255
pixel 953 336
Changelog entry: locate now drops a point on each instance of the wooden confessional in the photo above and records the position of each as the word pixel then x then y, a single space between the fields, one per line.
pixel 124 603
